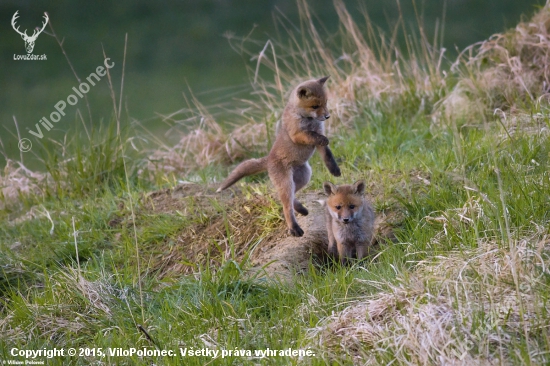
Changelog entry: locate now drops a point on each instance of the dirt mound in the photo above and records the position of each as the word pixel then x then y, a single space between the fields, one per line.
pixel 236 224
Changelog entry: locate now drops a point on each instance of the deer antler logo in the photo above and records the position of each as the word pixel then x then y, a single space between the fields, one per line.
pixel 29 41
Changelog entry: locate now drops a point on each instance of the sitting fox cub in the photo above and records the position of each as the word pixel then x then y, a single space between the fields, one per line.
pixel 350 221
pixel 300 133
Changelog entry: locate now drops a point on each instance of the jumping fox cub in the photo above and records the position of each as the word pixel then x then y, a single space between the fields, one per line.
pixel 300 133
pixel 350 221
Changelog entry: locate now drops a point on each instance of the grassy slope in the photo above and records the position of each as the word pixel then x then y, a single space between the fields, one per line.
pixel 484 192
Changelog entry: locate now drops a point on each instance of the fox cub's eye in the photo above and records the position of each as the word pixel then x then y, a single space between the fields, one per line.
pixel 315 107
pixel 338 207
pixel 351 207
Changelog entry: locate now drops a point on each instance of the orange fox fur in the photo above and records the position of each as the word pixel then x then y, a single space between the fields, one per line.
pixel 350 221
pixel 301 133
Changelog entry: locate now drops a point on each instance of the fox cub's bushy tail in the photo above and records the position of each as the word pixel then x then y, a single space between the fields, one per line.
pixel 244 169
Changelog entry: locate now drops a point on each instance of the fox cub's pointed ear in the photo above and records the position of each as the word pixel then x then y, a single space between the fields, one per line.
pixel 322 80
pixel 329 188
pixel 359 187
pixel 304 92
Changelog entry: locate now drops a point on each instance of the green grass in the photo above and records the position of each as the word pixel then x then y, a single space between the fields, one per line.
pixel 474 202
pixel 43 306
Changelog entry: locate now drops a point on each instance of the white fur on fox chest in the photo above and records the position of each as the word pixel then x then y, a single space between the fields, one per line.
pixel 353 232
pixel 349 234
pixel 312 124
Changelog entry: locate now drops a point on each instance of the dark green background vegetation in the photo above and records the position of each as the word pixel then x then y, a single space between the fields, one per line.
pixel 176 44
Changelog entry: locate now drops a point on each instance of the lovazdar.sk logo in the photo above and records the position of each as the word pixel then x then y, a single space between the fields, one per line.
pixel 29 40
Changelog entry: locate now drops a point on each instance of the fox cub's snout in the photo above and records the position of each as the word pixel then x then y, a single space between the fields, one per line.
pixel 349 219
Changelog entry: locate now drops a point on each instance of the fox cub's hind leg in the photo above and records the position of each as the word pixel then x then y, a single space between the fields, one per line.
pixel 283 180
pixel 301 176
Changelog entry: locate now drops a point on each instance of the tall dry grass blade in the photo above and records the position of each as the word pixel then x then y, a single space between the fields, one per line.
pixel 122 82
pixel 321 49
pixel 366 55
pixel 112 90
pixel 18 138
pixel 76 249
pixel 133 216
pixel 60 43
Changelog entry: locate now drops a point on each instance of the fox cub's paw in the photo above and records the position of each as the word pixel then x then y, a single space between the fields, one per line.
pixel 296 230
pixel 332 251
pixel 300 208
pixel 335 170
pixel 322 140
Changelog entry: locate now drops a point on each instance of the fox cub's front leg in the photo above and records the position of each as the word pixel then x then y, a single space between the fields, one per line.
pixel 310 138
pixel 321 143
pixel 329 160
